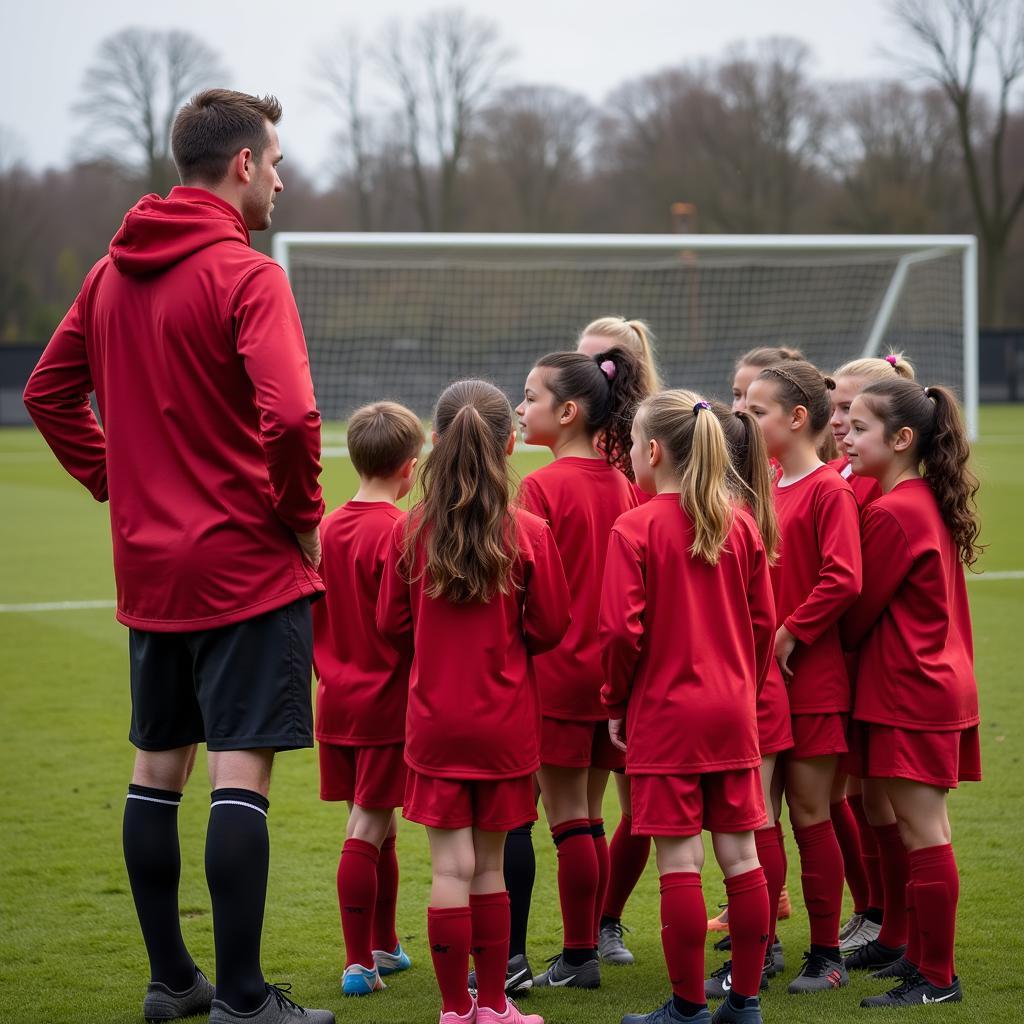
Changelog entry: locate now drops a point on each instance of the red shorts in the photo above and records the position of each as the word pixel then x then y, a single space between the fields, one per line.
pixel 568 744
pixel 368 776
pixel 774 729
pixel 818 735
pixel 494 805
pixel 941 759
pixel 684 805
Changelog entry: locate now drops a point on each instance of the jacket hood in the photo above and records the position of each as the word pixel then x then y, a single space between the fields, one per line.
pixel 157 233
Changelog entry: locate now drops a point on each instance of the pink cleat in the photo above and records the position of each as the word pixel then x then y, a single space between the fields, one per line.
pixel 512 1015
pixel 469 1017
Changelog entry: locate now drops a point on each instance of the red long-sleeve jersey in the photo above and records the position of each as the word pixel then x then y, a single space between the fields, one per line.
pixel 580 499
pixel 817 577
pixel 474 711
pixel 686 645
pixel 911 625
pixel 363 681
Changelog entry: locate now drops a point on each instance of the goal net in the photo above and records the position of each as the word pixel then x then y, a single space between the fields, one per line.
pixel 400 316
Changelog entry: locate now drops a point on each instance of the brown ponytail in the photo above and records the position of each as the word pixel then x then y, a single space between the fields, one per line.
pixel 465 519
pixel 940 437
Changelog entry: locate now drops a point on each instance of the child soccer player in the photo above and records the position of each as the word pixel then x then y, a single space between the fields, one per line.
pixel 474 588
pixel 687 631
pixel 817 577
pixel 361 692
pixel 916 696
pixel 581 408
pixel 751 363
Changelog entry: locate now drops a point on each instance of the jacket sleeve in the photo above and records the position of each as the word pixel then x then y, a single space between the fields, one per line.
pixel 887 560
pixel 546 608
pixel 839 579
pixel 621 622
pixel 268 336
pixel 57 398
pixel 394 604
pixel 761 601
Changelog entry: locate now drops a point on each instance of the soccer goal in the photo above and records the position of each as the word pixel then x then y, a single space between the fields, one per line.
pixel 401 315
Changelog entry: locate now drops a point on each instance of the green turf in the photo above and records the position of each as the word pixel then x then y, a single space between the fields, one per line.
pixel 70 948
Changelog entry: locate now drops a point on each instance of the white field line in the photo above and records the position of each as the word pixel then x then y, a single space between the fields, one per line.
pixel 77 606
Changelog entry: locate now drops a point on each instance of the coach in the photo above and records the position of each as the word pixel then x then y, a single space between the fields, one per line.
pixel 209 456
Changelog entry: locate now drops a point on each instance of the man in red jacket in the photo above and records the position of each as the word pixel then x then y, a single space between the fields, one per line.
pixel 209 456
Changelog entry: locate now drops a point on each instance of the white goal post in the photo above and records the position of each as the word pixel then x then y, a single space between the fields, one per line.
pixel 398 315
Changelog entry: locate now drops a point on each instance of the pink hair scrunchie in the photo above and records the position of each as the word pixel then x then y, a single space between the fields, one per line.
pixel 609 369
pixel 891 360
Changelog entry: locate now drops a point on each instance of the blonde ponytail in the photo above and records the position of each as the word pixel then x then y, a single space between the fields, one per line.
pixel 633 335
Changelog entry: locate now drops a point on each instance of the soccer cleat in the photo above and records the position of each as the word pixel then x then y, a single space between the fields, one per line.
pixel 610 946
pixel 916 991
pixel 865 931
pixel 748 1013
pixel 719 985
pixel 391 963
pixel 561 975
pixel 785 907
pixel 518 977
pixel 720 923
pixel 668 1014
pixel 451 1017
pixel 818 974
pixel 278 1009
pixel 360 981
pixel 778 957
pixel 163 1004
pixel 872 957
pixel 512 1015
pixel 900 970
pixel 850 927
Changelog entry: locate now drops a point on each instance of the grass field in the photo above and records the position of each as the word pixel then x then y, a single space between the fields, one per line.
pixel 70 949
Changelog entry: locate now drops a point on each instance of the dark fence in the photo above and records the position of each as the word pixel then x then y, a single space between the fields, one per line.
pixel 1000 369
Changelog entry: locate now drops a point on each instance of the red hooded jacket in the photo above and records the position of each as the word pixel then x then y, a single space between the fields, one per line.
pixel 210 445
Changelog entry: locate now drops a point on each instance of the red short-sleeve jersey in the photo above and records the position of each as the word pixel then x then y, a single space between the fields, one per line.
pixel 865 488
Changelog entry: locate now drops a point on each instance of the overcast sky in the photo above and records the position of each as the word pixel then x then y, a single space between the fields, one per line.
pixel 586 45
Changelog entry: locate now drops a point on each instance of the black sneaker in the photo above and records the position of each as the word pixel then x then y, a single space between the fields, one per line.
pixel 778 957
pixel 774 960
pixel 163 1004
pixel 561 975
pixel 818 974
pixel 668 1014
pixel 916 991
pixel 900 971
pixel 719 985
pixel 518 977
pixel 749 1013
pixel 873 956
pixel 278 1009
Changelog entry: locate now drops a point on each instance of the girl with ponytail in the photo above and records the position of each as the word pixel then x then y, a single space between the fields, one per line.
pixel 581 407
pixel 817 577
pixel 687 626
pixel 473 589
pixel 916 707
pixel 633 335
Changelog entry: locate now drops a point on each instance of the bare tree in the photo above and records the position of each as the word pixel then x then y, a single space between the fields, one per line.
pixel 443 71
pixel 951 41
pixel 132 92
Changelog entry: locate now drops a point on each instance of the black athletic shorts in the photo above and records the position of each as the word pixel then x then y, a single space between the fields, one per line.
pixel 240 687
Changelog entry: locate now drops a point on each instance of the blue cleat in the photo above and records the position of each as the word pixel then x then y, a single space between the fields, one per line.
pixel 359 981
pixel 391 963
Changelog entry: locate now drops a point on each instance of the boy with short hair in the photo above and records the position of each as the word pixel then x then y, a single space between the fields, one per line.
pixel 362 690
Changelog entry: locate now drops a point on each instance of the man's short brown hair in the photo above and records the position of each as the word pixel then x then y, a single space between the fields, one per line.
pixel 382 437
pixel 213 126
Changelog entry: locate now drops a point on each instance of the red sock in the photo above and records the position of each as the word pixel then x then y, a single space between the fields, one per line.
pixel 684 927
pixel 449 932
pixel 773 860
pixel 492 923
pixel 384 935
pixel 627 858
pixel 601 852
pixel 821 876
pixel 869 853
pixel 913 953
pixel 895 874
pixel 577 882
pixel 357 893
pixel 848 837
pixel 936 891
pixel 748 929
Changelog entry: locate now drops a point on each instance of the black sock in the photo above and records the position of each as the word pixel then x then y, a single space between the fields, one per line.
pixel 686 1008
pixel 520 872
pixel 577 957
pixel 153 860
pixel 873 914
pixel 237 862
pixel 606 920
pixel 736 1000
pixel 829 952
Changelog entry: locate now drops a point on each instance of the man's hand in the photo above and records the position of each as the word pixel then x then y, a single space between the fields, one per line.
pixel 310 544
pixel 617 732
pixel 785 642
